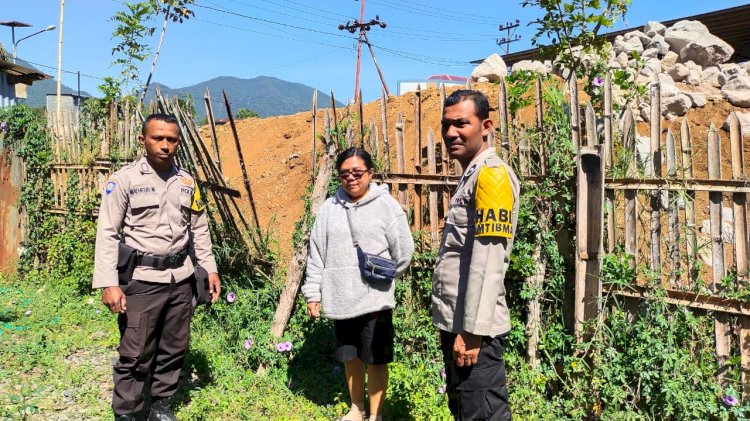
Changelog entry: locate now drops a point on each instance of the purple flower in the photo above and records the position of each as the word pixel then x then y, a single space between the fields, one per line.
pixel 730 400
pixel 336 369
pixel 441 389
pixel 442 372
pixel 231 297
pixel 598 81
pixel 248 343
pixel 284 346
pixel 4 127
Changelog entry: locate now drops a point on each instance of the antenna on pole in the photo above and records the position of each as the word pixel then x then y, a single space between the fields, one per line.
pixel 510 30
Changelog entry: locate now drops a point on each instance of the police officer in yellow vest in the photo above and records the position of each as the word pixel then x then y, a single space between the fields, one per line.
pixel 468 291
pixel 151 205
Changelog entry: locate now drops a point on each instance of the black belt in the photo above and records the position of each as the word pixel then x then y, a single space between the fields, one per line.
pixel 162 262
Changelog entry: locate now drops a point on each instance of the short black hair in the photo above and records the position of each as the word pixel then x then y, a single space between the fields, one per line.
pixel 481 104
pixel 354 151
pixel 167 118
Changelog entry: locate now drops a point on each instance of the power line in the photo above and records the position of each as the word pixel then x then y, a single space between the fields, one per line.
pixel 270 21
pixel 429 12
pixel 431 7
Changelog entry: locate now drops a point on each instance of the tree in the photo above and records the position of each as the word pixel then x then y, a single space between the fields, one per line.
pixel 174 10
pixel 574 24
pixel 245 113
pixel 131 50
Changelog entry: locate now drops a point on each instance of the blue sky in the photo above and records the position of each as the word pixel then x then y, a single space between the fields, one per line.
pixel 297 40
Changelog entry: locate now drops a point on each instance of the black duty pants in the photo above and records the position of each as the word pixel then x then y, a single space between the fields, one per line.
pixel 477 392
pixel 154 336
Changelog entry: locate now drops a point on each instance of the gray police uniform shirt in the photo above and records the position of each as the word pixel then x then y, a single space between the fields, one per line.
pixel 468 290
pixel 152 213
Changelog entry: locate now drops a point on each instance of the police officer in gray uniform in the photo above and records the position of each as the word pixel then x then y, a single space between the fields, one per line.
pixel 151 206
pixel 468 294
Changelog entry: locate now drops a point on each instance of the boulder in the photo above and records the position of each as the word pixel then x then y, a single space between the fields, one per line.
pixel 627 46
pixel 707 50
pixel 530 65
pixel 650 53
pixel 669 60
pixel 660 44
pixel 679 72
pixel 695 77
pixel 692 66
pixel 645 39
pixel 710 76
pixel 744 119
pixel 675 104
pixel 493 68
pixel 683 33
pixel 737 91
pixel 698 99
pixel 651 66
pixel 654 28
pixel 482 79
pixel 645 112
pixel 622 60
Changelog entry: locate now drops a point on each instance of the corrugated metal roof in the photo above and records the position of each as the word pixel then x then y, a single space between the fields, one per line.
pixel 731 25
pixel 22 73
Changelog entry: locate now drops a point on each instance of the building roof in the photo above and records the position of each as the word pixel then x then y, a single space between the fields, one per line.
pixel 22 74
pixel 451 78
pixel 731 25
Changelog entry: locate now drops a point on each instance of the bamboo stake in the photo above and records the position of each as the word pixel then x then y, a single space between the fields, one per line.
pixel 575 114
pixel 212 126
pixel 673 248
pixel 361 119
pixel 656 205
pixel 739 201
pixel 314 158
pixel 432 169
pixel 245 177
pixel 502 110
pixel 721 325
pixel 687 172
pixel 386 144
pixel 403 198
pixel 608 163
pixel 418 158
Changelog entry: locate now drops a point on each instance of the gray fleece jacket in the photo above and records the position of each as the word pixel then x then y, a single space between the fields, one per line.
pixel 333 277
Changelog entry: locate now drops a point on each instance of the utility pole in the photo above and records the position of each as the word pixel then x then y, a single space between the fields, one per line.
pixel 510 30
pixel 362 26
pixel 59 62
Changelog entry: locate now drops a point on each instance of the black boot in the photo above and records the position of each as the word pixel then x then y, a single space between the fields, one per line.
pixel 129 417
pixel 161 410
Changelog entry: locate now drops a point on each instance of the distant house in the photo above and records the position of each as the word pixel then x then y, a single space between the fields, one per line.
pixel 405 86
pixel 14 79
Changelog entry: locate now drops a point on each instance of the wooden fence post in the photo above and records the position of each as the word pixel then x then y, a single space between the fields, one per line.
pixel 655 172
pixel 589 231
pixel 691 246
pixel 721 325
pixel 673 245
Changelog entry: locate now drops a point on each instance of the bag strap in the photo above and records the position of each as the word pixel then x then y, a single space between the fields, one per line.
pixel 351 229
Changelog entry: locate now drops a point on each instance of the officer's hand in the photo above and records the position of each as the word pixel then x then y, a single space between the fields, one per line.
pixel 466 349
pixel 214 286
pixel 114 299
pixel 313 309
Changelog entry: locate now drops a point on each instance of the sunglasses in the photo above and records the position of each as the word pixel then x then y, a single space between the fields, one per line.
pixel 356 173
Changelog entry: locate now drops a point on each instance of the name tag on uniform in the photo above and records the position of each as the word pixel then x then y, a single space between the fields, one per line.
pixel 494 199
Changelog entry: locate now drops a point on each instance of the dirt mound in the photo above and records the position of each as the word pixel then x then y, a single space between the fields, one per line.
pixel 278 150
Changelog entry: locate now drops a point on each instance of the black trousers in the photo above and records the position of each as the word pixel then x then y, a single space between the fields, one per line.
pixel 154 337
pixel 477 392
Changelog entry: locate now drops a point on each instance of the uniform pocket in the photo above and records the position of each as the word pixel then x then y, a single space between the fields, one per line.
pixel 133 331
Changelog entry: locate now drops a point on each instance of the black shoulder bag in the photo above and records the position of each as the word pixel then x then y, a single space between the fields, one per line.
pixel 377 270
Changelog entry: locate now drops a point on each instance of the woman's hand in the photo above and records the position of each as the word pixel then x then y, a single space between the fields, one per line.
pixel 313 309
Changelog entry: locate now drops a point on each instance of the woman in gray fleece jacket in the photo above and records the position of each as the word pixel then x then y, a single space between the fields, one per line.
pixel 361 311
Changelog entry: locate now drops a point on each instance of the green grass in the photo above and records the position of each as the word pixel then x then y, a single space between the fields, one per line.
pixel 57 348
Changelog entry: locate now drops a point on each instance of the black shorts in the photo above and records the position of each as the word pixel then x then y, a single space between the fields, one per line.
pixel 368 337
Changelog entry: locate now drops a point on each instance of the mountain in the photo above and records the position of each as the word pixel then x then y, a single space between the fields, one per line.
pixel 36 94
pixel 267 96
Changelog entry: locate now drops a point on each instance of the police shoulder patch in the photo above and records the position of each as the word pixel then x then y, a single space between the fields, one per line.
pixel 494 203
pixel 198 205
pixel 111 186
